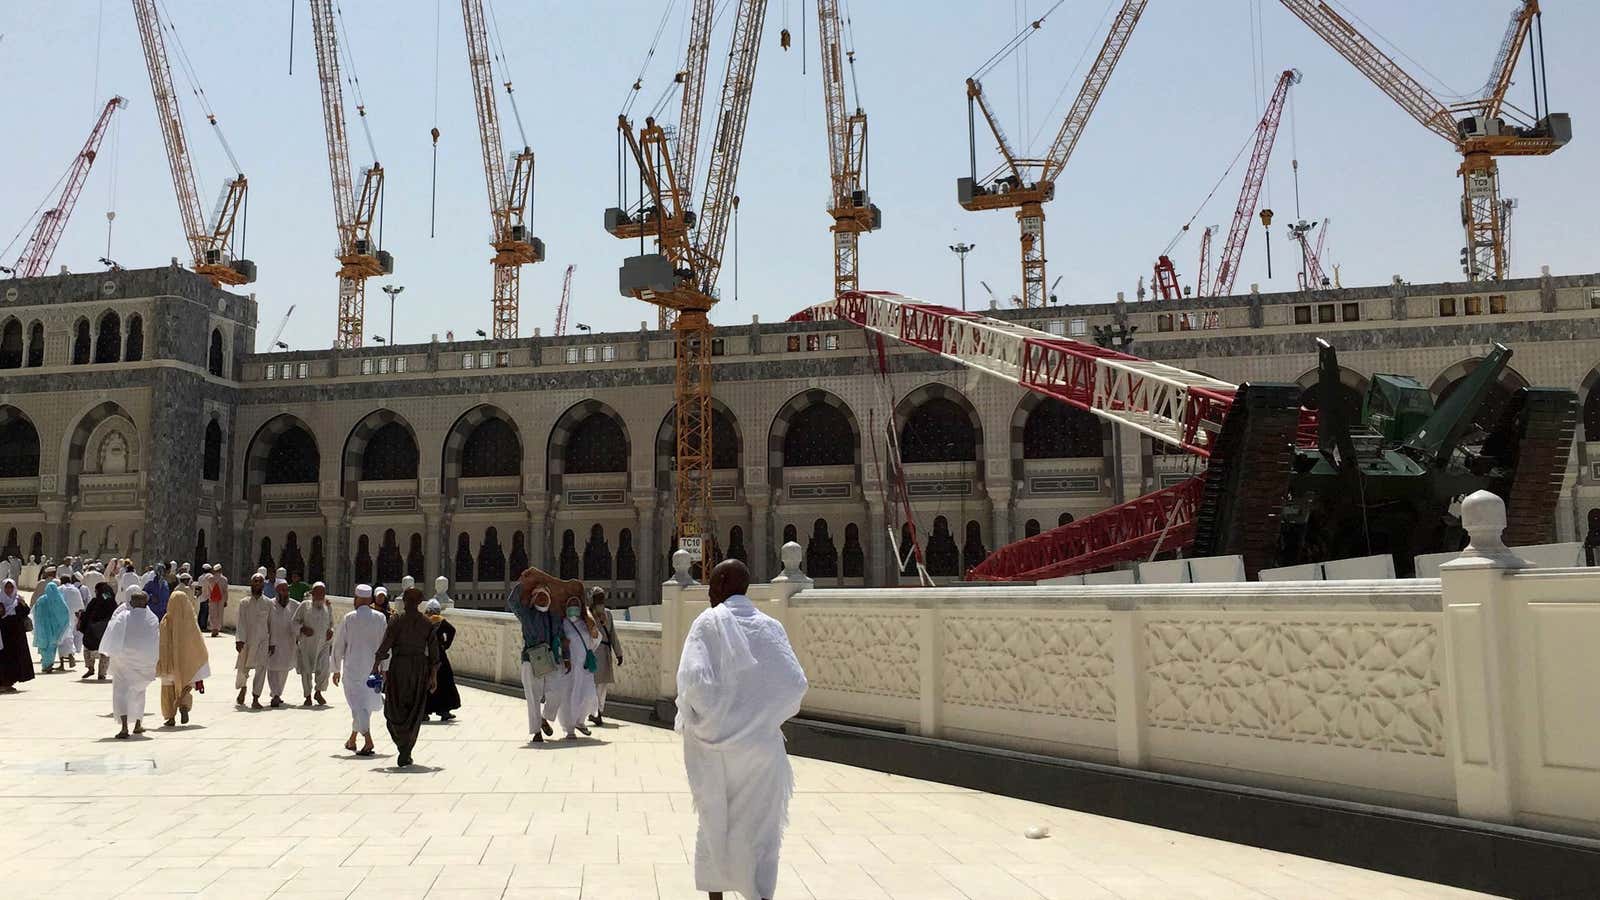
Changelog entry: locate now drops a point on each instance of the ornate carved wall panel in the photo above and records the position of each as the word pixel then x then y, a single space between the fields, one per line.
pixel 853 653
pixel 1054 666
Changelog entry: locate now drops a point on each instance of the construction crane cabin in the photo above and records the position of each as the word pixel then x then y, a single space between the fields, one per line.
pixel 1024 183
pixel 211 242
pixel 852 210
pixel 1481 129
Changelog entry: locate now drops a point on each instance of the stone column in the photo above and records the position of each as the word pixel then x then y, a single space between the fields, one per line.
pixel 538 538
pixel 344 554
pixel 55 526
pixel 760 530
pixel 332 524
pixel 1000 515
pixel 880 559
pixel 644 549
pixel 433 510
pixel 1481 666
pixel 242 562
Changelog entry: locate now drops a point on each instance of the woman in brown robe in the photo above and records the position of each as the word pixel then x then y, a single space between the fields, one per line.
pixel 411 645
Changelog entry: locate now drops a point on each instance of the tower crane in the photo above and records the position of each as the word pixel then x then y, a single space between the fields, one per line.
pixel 353 214
pixel 210 242
pixel 1477 128
pixel 667 211
pixel 1202 284
pixel 1254 176
pixel 1025 184
pixel 41 245
pixel 852 209
pixel 682 275
pixel 510 186
pixel 566 299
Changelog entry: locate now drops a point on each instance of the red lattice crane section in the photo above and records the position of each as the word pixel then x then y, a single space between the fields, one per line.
pixel 1254 177
pixel 41 246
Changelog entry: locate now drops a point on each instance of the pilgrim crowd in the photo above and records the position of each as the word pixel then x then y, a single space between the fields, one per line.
pixel 738 679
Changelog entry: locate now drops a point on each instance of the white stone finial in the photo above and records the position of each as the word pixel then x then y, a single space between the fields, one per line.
pixel 1483 515
pixel 791 555
pixel 680 568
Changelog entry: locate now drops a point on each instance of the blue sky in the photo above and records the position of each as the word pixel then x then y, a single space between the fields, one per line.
pixel 1176 112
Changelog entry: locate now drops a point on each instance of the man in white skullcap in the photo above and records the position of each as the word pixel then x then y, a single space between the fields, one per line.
pixel 355 646
pixel 281 634
pixel 217 598
pixel 313 656
pixel 281 577
pixel 250 639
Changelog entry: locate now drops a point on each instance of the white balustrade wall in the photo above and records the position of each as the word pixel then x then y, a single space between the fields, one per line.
pixel 1476 693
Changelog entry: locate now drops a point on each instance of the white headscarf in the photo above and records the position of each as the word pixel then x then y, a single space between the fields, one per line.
pixel 9 599
pixel 434 608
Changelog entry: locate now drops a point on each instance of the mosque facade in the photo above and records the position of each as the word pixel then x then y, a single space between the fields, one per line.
pixel 137 419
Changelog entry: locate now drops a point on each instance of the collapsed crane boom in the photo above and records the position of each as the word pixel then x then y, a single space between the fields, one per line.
pixel 1029 183
pixel 566 300
pixel 510 186
pixel 354 214
pixel 1254 177
pixel 852 209
pixel 41 245
pixel 210 242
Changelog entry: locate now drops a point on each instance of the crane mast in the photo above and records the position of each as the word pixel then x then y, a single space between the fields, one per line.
pixel 1254 177
pixel 510 186
pixel 359 258
pixel 209 242
pixel 41 245
pixel 682 275
pixel 852 210
pixel 1025 184
pixel 566 299
pixel 1474 127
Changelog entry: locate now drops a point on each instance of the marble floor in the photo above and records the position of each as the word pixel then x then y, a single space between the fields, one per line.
pixel 248 805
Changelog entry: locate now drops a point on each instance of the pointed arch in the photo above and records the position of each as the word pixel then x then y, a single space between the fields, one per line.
pixel 211 452
pixel 214 360
pixel 382 446
pixel 133 347
pixel 1045 428
pixel 937 423
pixel 283 451
pixel 570 427
pixel 727 443
pixel 815 427
pixel 78 441
pixel 108 338
pixel 11 344
pixel 36 345
pixel 81 343
pixel 19 444
pixel 483 442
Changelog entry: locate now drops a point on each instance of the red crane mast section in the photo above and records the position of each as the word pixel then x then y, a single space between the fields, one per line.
pixel 1254 177
pixel 41 246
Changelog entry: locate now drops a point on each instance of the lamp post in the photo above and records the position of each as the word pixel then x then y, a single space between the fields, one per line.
pixel 393 291
pixel 962 249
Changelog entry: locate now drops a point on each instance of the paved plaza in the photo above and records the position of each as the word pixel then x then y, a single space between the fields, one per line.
pixel 248 805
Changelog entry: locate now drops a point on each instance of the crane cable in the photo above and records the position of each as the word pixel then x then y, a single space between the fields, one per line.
pixel 433 187
pixel 186 66
pixel 1016 41
pixel 1067 82
pixel 354 80
pixel 638 80
pixel 1224 177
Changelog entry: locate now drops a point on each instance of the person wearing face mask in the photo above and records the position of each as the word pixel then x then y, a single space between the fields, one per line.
pixel 531 600
pixel 580 659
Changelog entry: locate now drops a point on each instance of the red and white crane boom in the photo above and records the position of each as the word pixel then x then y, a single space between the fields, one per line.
pixel 41 245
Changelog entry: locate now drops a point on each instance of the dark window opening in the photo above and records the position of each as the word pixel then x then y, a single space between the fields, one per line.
pixel 264 559
pixel 200 551
pixel 416 562
pixel 736 545
pixel 939 430
pixel 519 555
pixel 108 346
pixel 908 553
pixel 942 557
pixel 724 442
pixel 1030 528
pixel 819 435
pixel 391 454
pixel 596 445
pixel 1064 519
pixel 19 449
pixel 11 345
pixel 491 451
pixel 290 559
pixel 853 558
pixel 1352 312
pixel 597 556
pixel 1302 315
pixel 133 349
pixel 972 551
pixel 491 559
pixel 81 343
pixel 293 458
pixel 390 566
pixel 822 558
pixel 214 356
pixel 36 346
pixel 317 570
pixel 363 561
pixel 627 561
pixel 463 559
pixel 568 563
pixel 211 464
pixel 1055 430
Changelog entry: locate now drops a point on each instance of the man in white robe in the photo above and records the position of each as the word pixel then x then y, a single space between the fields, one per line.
pixel 71 643
pixel 133 641
pixel 313 652
pixel 355 646
pixel 738 682
pixel 250 640
pixel 281 633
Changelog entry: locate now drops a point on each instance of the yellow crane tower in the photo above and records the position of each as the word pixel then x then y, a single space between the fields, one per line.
pixel 353 214
pixel 1024 184
pixel 510 187
pixel 682 275
pixel 852 209
pixel 1478 128
pixel 210 242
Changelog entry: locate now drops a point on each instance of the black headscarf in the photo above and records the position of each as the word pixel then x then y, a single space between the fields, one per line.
pixel 97 615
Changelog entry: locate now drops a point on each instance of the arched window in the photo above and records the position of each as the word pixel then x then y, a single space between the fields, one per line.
pixel 290 559
pixel 200 552
pixel 724 441
pixel 569 554
pixel 822 558
pixel 907 553
pixel 19 449
pixel 973 551
pixel 1349 400
pixel 627 562
pixel 81 343
pixel 791 534
pixel 12 548
pixel 519 556
pixel 492 450
pixel 317 567
pixel 819 435
pixel 415 562
pixel 133 349
pixel 264 559
pixel 11 345
pixel 736 545
pixel 363 561
pixel 1055 430
pixel 596 445
pixel 1064 519
pixel 942 556
pixel 938 430
pixel 108 345
pixel 1031 528
pixel 491 559
pixel 597 556
pixel 293 458
pixel 854 559
pixel 390 566
pixel 211 457
pixel 36 546
pixel 36 345
pixel 463 559
pixel 391 454
pixel 214 357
